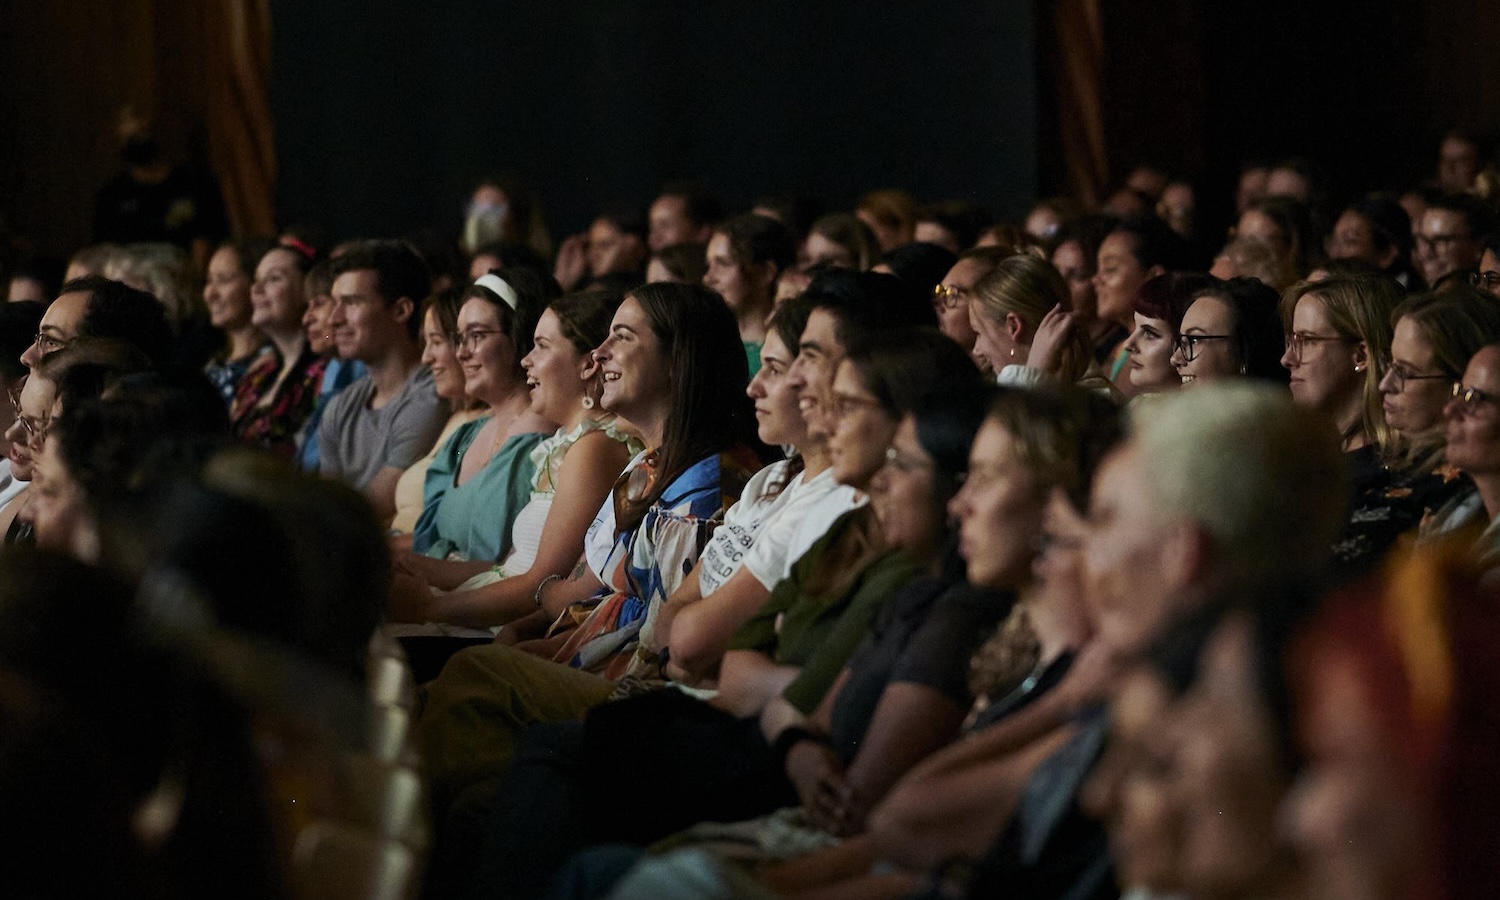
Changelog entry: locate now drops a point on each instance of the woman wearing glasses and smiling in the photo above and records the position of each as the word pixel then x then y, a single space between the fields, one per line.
pixel 481 478
pixel 1231 330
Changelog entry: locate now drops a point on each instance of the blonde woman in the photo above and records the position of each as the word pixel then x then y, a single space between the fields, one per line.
pixel 1337 332
pixel 1024 329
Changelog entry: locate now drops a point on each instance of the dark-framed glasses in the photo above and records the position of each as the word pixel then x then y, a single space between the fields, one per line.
pixel 1187 344
pixel 469 340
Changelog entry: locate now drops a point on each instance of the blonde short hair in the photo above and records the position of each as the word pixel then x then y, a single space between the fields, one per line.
pixel 1263 476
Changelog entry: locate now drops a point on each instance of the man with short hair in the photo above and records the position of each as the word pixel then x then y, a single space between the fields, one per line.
pixel 96 307
pixel 382 423
pixel 1449 236
pixel 683 213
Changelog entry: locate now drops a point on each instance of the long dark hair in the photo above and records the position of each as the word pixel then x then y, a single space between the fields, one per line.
pixel 584 317
pixel 708 373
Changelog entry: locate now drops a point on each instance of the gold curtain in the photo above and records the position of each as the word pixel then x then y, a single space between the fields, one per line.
pixel 241 136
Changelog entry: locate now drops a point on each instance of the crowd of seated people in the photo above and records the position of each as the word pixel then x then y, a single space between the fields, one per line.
pixel 789 551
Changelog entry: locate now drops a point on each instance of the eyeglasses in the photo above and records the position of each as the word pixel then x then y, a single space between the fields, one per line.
pixel 469 340
pixel 949 296
pixel 36 429
pixel 845 405
pixel 1470 397
pixel 902 463
pixel 1297 342
pixel 47 343
pixel 1187 344
pixel 1485 281
pixel 1400 376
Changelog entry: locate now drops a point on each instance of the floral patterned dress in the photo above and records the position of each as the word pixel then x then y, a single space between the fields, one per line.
pixel 277 425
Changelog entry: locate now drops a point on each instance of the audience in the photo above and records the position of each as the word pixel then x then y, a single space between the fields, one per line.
pixel 226 293
pixel 382 423
pixel 275 395
pixel 733 550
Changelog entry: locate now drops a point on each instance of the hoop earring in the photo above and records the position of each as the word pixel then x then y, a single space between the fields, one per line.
pixel 588 402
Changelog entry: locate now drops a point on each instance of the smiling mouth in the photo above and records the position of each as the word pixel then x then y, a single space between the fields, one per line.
pixel 611 376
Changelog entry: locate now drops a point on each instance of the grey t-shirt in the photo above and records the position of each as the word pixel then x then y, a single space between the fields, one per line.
pixel 355 442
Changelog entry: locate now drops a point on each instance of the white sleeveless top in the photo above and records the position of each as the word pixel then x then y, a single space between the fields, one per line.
pixel 547 457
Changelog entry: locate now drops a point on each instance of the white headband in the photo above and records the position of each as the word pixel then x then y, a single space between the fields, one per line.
pixel 498 285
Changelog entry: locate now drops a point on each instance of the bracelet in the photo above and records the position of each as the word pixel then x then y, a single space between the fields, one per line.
pixel 537 597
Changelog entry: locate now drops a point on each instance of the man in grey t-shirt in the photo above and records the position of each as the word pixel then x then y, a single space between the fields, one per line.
pixel 381 424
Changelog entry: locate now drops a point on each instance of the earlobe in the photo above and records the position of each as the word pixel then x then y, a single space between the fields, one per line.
pixel 1361 356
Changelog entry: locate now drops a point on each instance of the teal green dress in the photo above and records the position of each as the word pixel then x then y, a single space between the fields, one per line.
pixel 472 521
pixel 752 356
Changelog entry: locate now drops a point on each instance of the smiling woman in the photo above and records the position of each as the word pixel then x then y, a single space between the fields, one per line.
pixel 1159 307
pixel 278 391
pixel 575 468
pixel 226 293
pixel 482 474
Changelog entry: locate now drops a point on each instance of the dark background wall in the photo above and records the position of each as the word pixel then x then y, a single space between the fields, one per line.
pixel 387 111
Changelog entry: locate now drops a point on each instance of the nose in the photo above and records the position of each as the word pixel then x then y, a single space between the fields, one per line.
pixel 32 356
pixel 1288 360
pixel 1387 383
pixel 756 388
pixel 958 507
